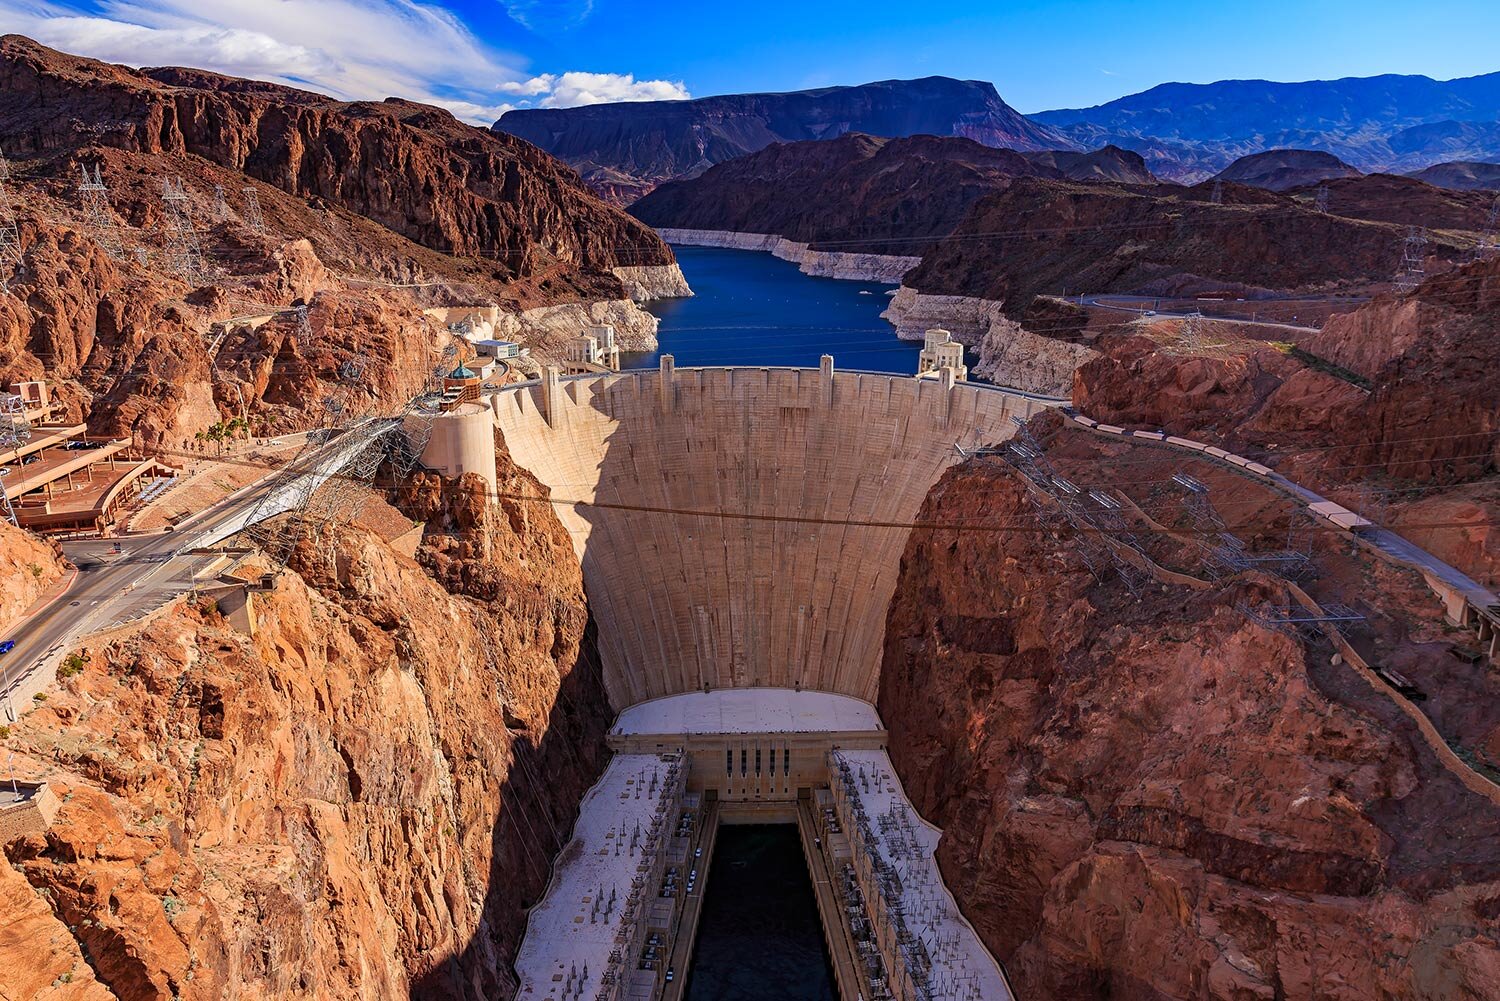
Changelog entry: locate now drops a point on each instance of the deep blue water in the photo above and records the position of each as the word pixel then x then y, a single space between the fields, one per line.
pixel 753 309
pixel 759 937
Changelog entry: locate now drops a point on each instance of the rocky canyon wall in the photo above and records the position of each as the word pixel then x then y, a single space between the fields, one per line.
pixel 885 268
pixel 653 281
pixel 1009 354
pixel 1157 798
pixel 358 800
pixel 28 567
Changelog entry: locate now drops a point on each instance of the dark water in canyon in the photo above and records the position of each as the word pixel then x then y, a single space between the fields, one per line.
pixel 753 309
pixel 759 938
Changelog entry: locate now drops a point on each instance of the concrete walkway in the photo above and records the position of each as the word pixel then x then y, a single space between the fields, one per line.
pixel 840 942
pixel 685 935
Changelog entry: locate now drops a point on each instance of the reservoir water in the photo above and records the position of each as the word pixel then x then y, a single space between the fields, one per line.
pixel 759 938
pixel 753 309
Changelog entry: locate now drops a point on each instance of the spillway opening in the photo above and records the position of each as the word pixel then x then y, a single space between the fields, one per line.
pixel 759 938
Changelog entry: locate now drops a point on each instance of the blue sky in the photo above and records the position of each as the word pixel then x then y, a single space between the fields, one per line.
pixel 480 57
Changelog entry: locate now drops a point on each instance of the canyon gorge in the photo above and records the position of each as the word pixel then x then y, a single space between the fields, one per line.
pixel 1066 683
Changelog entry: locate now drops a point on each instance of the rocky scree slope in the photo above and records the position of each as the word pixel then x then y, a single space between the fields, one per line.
pixel 357 801
pixel 1159 798
pixel 627 149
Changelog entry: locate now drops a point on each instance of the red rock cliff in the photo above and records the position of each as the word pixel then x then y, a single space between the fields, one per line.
pixel 412 168
pixel 357 801
pixel 1160 799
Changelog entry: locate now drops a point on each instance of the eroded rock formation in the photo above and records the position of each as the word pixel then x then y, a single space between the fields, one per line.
pixel 28 567
pixel 358 800
pixel 1390 407
pixel 1159 798
pixel 364 213
pixel 624 150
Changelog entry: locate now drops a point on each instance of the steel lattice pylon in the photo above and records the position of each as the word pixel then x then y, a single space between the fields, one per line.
pixel 97 214
pixel 15 431
pixel 184 255
pixel 10 232
pixel 1413 260
pixel 1042 479
pixel 1298 621
pixel 1223 553
pixel 253 217
pixel 1489 241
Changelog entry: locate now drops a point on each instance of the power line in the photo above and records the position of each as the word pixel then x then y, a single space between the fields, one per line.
pixel 579 502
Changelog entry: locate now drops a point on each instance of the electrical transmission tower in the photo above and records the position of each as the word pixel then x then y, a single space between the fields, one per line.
pixel 184 255
pixel 1489 241
pixel 1320 201
pixel 221 207
pixel 1413 254
pixel 1223 554
pixel 10 233
pixel 1217 196
pixel 1058 502
pixel 97 215
pixel 253 218
pixel 15 431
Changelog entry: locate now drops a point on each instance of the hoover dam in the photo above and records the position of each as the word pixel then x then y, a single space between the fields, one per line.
pixel 740 532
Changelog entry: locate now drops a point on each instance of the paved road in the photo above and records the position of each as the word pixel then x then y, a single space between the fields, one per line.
pixel 108 587
pixel 149 570
pixel 1143 305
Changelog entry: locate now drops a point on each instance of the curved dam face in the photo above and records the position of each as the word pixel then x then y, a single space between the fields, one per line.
pixel 743 527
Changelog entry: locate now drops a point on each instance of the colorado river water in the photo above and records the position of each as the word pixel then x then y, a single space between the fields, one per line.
pixel 754 309
pixel 759 937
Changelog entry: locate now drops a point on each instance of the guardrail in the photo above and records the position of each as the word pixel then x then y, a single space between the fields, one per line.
pixel 1057 401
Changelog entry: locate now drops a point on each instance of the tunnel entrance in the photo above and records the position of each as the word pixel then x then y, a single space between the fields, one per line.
pixel 759 938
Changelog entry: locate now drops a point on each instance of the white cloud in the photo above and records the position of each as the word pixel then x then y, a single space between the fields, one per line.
pixel 572 89
pixel 569 90
pixel 351 49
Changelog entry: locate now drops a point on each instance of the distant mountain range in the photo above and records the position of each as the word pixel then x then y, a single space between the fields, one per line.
pixel 1184 132
pixel 624 150
pixel 1386 123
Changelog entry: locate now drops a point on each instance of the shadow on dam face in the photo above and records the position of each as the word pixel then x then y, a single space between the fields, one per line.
pixel 743 527
pixel 759 938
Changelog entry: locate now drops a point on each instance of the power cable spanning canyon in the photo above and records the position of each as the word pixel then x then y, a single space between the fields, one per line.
pixel 743 683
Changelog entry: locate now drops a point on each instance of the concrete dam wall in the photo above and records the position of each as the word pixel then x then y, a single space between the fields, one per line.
pixel 743 527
